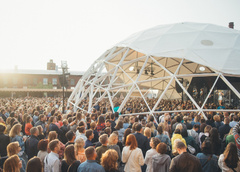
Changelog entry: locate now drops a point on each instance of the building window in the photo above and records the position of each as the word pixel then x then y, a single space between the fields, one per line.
pixel 24 81
pixel 45 81
pixel 35 81
pixel 72 81
pixel 15 80
pixel 54 81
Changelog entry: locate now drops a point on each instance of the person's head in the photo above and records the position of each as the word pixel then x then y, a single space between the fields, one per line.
pixel 42 145
pixel 207 129
pixel 230 155
pixel 147 132
pixel 131 141
pixel 154 142
pixel 132 119
pixel 206 147
pixel 226 120
pixel 214 135
pixel 29 119
pixel 52 135
pixel 108 123
pixel 180 147
pixel 179 126
pixel 70 135
pixel 108 130
pixel 216 118
pixel 78 145
pixel 34 164
pixel 15 130
pixel 126 133
pixel 54 145
pixel 34 131
pixel 109 160
pixel 235 118
pixel 90 153
pixel 69 154
pixel 81 129
pixel 119 125
pixel 178 119
pixel 196 127
pixel 89 134
pixel 113 139
pixel 161 148
pixel 103 139
pixel 13 148
pixel 2 128
pixel 138 127
pixel 160 129
pixel 184 133
pixel 100 119
pixel 12 164
pixel 93 125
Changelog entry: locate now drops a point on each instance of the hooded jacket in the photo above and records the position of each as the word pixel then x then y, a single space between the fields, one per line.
pixel 161 162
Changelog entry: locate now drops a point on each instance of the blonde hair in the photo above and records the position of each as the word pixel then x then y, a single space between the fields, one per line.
pixel 16 129
pixel 11 164
pixel 12 148
pixel 147 132
pixel 111 138
pixel 179 126
pixel 79 144
pixel 52 135
pixel 109 160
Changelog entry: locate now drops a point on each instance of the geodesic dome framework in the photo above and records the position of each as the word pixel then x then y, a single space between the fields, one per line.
pixel 165 59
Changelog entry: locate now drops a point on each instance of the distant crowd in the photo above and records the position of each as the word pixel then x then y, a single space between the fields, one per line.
pixel 35 136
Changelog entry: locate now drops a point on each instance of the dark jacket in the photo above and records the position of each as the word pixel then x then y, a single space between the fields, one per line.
pixel 54 127
pixel 64 129
pixel 185 163
pixel 31 146
pixel 4 141
pixel 224 129
pixel 143 142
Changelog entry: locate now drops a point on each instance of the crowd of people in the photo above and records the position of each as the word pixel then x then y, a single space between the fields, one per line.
pixel 36 136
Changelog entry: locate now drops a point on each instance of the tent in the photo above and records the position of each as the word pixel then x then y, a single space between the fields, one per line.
pixel 164 59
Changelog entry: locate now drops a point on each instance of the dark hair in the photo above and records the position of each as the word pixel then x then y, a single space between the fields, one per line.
pixel 69 154
pixel 69 135
pixel 161 148
pixel 160 129
pixel 42 145
pixel 206 147
pixel 180 145
pixel 2 128
pixel 34 164
pixel 119 125
pixel 88 133
pixel 184 133
pixel 81 129
pixel 100 120
pixel 178 119
pixel 138 127
pixel 177 131
pixel 53 144
pixel 89 152
pixel 230 155
pixel 155 141
pixel 126 133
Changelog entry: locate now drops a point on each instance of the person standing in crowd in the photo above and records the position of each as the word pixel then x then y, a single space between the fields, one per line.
pixel 42 122
pixel 13 149
pixel 132 155
pixel 234 122
pixel 28 125
pixel 93 126
pixel 91 164
pixel 229 160
pixel 79 150
pixel 119 128
pixel 112 144
pixel 142 140
pixel 70 137
pixel 32 143
pixel 103 148
pixel 109 161
pixel 194 133
pixel 100 123
pixel 162 137
pixel 4 141
pixel 90 136
pixel 42 147
pixel 161 161
pixel 12 164
pixel 184 162
pixel 69 163
pixel 54 127
pixel 224 129
pixel 208 160
pixel 34 164
pixel 150 153
pixel 51 161
pixel 81 133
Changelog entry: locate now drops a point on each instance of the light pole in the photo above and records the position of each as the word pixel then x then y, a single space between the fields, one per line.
pixel 63 79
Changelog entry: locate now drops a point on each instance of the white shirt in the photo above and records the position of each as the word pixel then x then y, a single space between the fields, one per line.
pixel 148 159
pixel 134 159
pixel 224 167
pixel 52 163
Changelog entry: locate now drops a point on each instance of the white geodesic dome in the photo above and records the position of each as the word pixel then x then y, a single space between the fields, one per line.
pixel 160 59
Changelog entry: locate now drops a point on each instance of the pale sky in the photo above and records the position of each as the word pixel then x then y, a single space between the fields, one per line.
pixel 33 32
